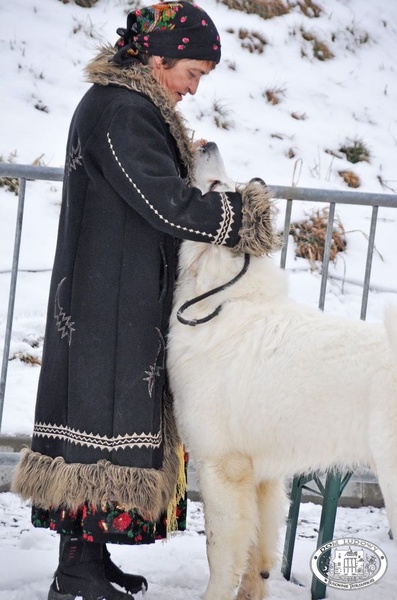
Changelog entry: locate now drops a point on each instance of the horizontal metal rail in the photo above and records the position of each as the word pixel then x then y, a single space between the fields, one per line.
pixel 289 193
pixel 31 172
pixel 341 197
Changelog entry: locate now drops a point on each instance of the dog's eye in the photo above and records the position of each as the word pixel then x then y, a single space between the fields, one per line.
pixel 214 185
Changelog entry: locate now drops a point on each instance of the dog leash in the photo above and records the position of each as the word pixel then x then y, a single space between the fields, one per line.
pixel 193 322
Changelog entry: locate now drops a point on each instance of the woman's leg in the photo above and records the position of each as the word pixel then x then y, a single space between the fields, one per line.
pixel 81 572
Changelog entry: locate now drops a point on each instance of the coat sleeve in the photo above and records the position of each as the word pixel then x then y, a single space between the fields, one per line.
pixel 139 164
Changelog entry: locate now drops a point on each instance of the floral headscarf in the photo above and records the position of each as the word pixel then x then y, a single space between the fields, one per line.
pixel 171 29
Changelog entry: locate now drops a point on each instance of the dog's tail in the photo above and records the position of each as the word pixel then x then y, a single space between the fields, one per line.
pixel 390 321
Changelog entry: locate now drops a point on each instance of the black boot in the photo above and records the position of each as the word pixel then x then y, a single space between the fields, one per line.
pixel 81 573
pixel 132 583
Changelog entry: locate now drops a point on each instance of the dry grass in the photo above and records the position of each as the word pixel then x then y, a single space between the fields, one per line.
pixel 41 106
pixel 26 358
pixel 10 183
pixel 299 116
pixel 386 184
pixel 310 9
pixel 253 41
pixel 231 64
pixel 350 178
pixel 320 49
pixel 333 153
pixel 267 9
pixel 274 95
pixel 85 3
pixel 221 116
pixel 310 234
pixel 129 4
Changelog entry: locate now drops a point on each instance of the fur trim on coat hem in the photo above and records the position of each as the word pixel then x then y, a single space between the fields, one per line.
pixel 258 235
pixel 51 483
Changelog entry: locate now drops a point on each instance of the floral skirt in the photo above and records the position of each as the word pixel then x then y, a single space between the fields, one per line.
pixel 108 525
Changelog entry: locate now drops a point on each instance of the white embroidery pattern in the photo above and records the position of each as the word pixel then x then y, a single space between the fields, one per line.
pixel 181 227
pixel 154 370
pixel 75 157
pixel 227 220
pixel 63 323
pixel 102 442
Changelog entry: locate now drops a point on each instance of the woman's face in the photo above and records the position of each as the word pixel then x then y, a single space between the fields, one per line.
pixel 181 79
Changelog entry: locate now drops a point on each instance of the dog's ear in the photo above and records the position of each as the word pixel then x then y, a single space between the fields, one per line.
pixel 258 233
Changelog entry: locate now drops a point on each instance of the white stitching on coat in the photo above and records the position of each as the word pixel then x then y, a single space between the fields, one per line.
pixel 228 218
pixel 63 323
pixel 226 214
pixel 154 370
pixel 150 440
pixel 75 157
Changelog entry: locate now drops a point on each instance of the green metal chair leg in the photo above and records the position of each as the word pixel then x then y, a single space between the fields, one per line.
pixel 334 486
pixel 327 524
pixel 330 492
pixel 292 523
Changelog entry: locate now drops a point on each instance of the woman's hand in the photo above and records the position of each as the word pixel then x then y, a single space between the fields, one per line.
pixel 199 143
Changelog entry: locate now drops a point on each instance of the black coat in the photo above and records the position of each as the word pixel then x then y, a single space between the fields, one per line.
pixel 126 205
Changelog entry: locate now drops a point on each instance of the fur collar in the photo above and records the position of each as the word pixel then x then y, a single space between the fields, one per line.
pixel 103 71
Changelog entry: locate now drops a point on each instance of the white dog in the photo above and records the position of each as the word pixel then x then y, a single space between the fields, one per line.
pixel 267 389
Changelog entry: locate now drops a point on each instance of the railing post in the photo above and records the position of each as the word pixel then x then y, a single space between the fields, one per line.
pixel 327 250
pixel 368 266
pixel 11 299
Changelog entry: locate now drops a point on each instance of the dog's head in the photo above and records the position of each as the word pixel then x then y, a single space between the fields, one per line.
pixel 203 266
pixel 210 172
pixel 258 236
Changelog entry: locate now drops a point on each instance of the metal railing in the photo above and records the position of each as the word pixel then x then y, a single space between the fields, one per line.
pixel 335 482
pixel 23 173
pixel 332 197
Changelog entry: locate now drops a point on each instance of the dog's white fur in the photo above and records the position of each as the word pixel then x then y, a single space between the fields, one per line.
pixel 267 389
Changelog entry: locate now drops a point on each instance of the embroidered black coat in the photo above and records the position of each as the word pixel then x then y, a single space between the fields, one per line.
pixel 102 430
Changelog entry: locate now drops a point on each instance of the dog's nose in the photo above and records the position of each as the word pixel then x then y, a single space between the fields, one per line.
pixel 209 147
pixel 258 180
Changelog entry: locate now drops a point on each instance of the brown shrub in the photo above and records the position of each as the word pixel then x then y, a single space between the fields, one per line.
pixel 299 116
pixel 319 48
pixel 310 9
pixel 253 41
pixel 350 178
pixel 274 95
pixel 267 9
pixel 310 234
pixel 26 358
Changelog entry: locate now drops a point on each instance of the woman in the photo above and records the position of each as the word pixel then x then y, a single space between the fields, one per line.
pixel 105 455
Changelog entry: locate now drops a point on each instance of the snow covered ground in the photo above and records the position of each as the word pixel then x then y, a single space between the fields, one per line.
pixel 177 569
pixel 44 45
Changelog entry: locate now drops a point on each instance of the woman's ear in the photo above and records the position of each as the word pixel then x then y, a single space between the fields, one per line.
pixel 158 61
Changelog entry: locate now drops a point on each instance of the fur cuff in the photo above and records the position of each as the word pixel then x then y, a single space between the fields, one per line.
pixel 258 235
